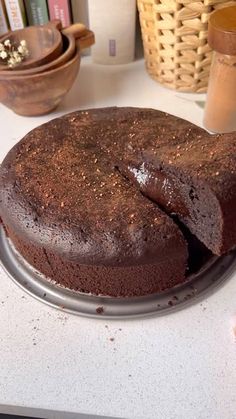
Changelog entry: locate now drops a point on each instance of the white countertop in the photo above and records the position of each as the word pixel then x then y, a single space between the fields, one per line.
pixel 178 366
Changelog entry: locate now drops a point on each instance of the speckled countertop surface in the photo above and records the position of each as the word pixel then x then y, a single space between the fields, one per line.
pixel 177 366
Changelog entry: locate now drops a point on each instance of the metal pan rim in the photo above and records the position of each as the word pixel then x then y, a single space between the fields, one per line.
pixel 210 277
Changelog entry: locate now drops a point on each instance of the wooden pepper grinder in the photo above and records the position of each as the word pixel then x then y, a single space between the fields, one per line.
pixel 220 109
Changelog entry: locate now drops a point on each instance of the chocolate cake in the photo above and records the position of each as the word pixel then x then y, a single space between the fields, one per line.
pixel 187 171
pixel 72 215
pixel 70 198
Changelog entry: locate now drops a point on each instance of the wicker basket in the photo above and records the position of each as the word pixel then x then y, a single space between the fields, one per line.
pixel 175 41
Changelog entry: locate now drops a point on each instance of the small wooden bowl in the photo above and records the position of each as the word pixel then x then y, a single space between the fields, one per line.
pixel 39 94
pixel 74 34
pixel 43 42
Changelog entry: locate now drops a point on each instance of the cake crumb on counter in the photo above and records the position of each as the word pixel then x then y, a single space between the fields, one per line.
pixel 100 310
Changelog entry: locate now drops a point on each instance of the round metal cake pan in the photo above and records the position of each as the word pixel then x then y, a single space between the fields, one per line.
pixel 210 277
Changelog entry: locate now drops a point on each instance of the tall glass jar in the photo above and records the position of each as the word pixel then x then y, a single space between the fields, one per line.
pixel 220 109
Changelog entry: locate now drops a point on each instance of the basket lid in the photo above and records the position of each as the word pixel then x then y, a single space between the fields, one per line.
pixel 222 30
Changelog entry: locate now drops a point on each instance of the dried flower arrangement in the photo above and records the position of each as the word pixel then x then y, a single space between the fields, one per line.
pixel 11 54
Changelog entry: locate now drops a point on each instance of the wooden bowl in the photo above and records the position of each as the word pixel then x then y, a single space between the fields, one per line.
pixel 76 34
pixel 39 94
pixel 43 42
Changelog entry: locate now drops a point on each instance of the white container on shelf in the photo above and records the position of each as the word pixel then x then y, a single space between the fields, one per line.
pixel 113 22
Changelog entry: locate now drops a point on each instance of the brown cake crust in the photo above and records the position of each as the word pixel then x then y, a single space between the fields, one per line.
pixel 116 281
pixel 75 217
pixel 185 170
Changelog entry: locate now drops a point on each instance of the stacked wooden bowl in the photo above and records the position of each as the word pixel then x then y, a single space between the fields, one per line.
pixel 38 84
